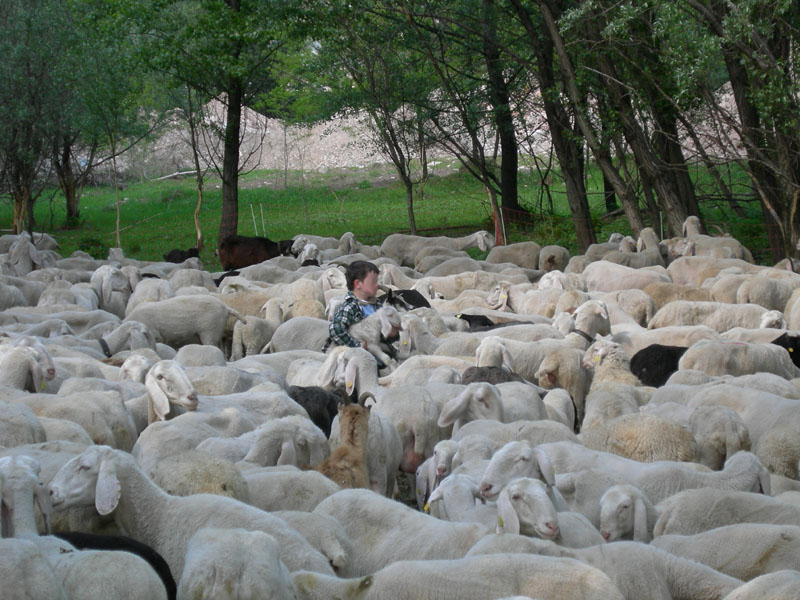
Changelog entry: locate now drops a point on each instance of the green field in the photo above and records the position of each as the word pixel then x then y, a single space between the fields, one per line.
pixel 157 216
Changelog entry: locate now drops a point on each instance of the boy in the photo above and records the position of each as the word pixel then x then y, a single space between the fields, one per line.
pixel 360 301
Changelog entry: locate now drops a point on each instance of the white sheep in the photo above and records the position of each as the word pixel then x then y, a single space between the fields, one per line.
pixel 403 248
pixel 742 550
pixel 113 482
pixel 781 585
pixel 472 578
pixel 718 316
pixel 697 510
pixel 527 506
pixel 626 513
pixel 738 358
pixel 286 487
pixel 516 459
pixel 481 400
pixel 83 574
pixel 252 567
pixel 374 329
pixel 454 499
pixel 605 276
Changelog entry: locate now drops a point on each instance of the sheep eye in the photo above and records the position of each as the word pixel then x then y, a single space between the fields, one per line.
pixel 159 376
pixel 515 496
pixel 83 468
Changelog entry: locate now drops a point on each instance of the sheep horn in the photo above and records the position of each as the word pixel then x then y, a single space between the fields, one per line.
pixel 363 397
pixel 345 398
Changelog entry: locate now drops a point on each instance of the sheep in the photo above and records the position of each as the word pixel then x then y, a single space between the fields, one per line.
pixel 643 437
pixel 610 364
pixel 526 506
pixel 252 567
pixel 609 401
pixel 742 550
pixel 604 276
pixel 454 500
pixel 738 358
pixel 167 386
pixel 403 248
pixel 663 293
pixel 26 364
pixel 22 562
pixel 562 368
pixel 718 431
pixel 493 375
pixel 534 432
pixel 693 511
pixel 285 487
pixel 250 336
pixel 364 514
pixel 149 290
pixel 183 319
pixel 199 472
pixel 375 329
pixel 473 578
pixel 113 482
pixel 320 404
pixel 553 258
pixel 481 400
pixel 299 333
pixel 515 459
pixel 638 570
pixel 560 407
pixel 626 513
pixel 237 251
pixel 743 471
pixel 90 574
pixel 176 255
pixel 781 585
pixel 714 246
pixel 94 541
pixel 769 292
pixel 288 440
pixel 718 316
pixel 18 425
pixel 653 364
pixel 523 254
pixel 633 340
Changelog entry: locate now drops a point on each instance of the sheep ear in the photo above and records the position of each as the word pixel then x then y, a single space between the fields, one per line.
pixel 328 371
pixel 6 513
pixel 507 519
pixel 545 467
pixel 288 454
pixel 42 497
pixel 37 374
pixel 454 409
pixel 640 533
pixel 156 396
pixel 351 377
pixel 108 489
pixel 386 325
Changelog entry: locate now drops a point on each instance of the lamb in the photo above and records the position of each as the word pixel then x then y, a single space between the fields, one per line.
pixel 299 333
pixel 553 258
pixel 643 437
pixel 481 400
pixel 18 425
pixel 523 254
pixel 199 472
pixel 454 500
pixel 320 404
pixel 654 364
pixel 626 513
pixel 515 459
pixel 25 364
pixel 113 482
pixel 289 440
pixel 562 368
pixel 742 550
pixel 609 401
pixel 167 386
pixel 251 335
pixel 374 329
pixel 610 364
pixel 604 276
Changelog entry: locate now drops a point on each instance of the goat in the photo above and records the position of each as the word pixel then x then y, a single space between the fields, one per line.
pixel 238 251
pixel 347 464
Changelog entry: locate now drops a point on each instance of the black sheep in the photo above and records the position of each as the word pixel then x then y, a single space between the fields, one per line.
pixel 404 299
pixel 219 279
pixel 792 344
pixel 476 320
pixel 178 256
pixel 93 541
pixel 320 404
pixel 655 363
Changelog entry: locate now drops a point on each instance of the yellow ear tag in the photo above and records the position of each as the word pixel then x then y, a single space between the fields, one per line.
pixel 426 508
pixel 499 520
pixel 596 358
pixel 503 296
pixel 349 386
pixel 405 343
pixel 791 349
pixel 41 387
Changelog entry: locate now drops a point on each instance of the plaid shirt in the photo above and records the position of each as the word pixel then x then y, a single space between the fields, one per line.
pixel 349 312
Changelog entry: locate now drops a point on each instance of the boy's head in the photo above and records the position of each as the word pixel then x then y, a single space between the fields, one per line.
pixel 362 278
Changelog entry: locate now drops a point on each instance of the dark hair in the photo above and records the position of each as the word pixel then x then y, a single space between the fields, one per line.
pixel 358 269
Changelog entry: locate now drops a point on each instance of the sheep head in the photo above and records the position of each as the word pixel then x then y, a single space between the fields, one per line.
pixel 167 383
pixel 622 512
pixel 88 479
pixel 515 459
pixel 525 508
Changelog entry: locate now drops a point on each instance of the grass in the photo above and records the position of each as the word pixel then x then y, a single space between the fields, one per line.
pixel 157 216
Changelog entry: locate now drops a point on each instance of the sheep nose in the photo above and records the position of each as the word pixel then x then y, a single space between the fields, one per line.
pixel 606 535
pixel 55 497
pixel 191 401
pixel 51 373
pixel 486 490
pixel 552 527
pixel 440 471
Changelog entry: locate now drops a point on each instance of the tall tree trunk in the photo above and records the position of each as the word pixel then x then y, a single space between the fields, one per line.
pixel 409 185
pixel 567 142
pixel 600 151
pixel 609 196
pixel 229 223
pixel 503 117
pixel 62 164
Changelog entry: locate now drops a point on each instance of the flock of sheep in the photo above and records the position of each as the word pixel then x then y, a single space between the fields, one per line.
pixel 619 424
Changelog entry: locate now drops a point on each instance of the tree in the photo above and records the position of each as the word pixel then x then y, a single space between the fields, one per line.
pixel 225 49
pixel 371 72
pixel 32 37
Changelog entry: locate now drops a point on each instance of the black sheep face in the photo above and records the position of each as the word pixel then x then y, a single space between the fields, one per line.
pixel 792 344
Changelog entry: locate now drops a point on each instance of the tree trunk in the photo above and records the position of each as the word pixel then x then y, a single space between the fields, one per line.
pixel 608 195
pixel 503 117
pixel 229 223
pixel 62 164
pixel 412 222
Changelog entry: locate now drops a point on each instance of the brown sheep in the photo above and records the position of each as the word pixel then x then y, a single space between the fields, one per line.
pixel 347 464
